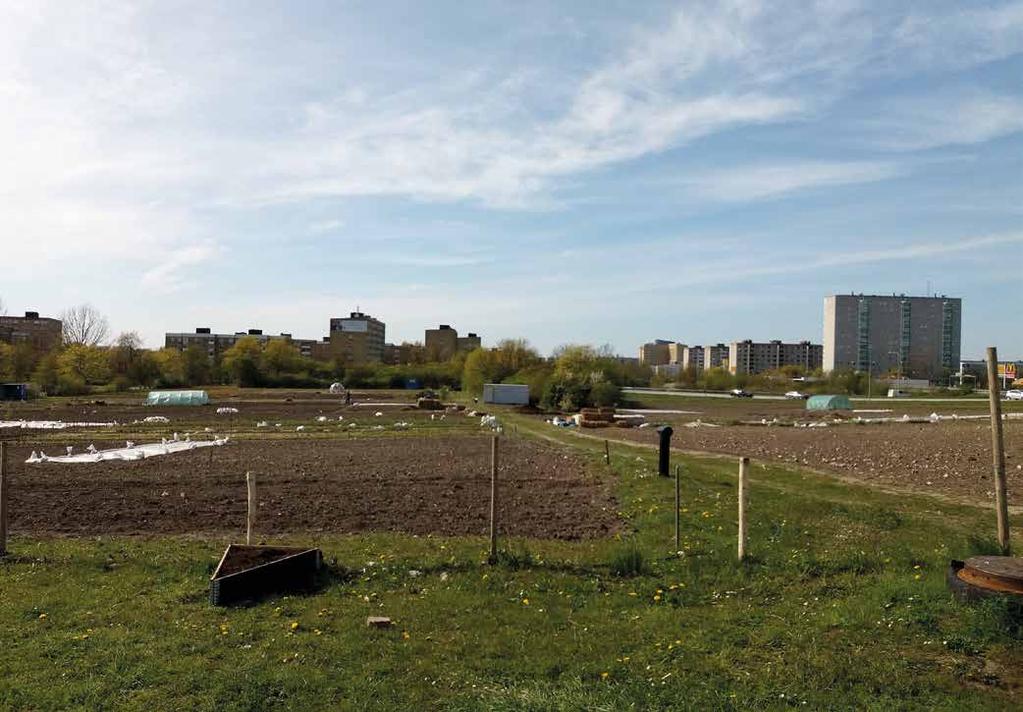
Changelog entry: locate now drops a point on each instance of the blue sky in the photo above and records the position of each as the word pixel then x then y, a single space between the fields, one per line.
pixel 606 172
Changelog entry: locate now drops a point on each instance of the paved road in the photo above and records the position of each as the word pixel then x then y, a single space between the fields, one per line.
pixel 759 396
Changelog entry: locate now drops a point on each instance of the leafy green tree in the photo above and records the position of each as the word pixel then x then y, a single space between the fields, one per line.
pixel 242 362
pixel 280 357
pixel 87 364
pixel 170 365
pixel 198 370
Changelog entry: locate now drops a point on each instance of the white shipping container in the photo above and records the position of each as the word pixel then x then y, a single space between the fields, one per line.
pixel 506 394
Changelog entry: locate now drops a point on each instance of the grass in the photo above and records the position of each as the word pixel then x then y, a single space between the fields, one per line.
pixel 841 605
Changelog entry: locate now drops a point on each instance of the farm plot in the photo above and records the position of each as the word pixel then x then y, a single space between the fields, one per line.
pixel 951 458
pixel 418 485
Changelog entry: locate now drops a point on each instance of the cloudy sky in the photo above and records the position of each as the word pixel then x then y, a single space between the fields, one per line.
pixel 602 172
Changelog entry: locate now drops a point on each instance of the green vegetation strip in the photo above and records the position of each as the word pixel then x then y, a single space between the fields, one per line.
pixel 841 606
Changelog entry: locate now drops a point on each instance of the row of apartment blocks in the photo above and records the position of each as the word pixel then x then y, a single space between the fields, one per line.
pixel 356 338
pixel 40 332
pixel 739 357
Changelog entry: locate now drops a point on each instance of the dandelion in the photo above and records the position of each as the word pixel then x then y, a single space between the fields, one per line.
pixel 405 635
pixel 657 598
pixel 294 625
pixel 43 616
pixel 604 675
pixel 525 601
pixel 317 631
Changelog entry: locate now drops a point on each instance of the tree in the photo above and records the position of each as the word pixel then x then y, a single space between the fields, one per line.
pixel 170 366
pixel 242 362
pixel 86 364
pixel 125 352
pixel 197 366
pixel 84 325
pixel 280 357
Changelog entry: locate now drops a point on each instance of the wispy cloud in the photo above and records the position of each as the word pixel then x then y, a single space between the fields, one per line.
pixel 947 118
pixel 170 273
pixel 760 182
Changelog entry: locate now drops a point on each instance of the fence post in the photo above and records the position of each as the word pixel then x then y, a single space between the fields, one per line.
pixel 998 450
pixel 250 520
pixel 493 499
pixel 3 498
pixel 607 453
pixel 743 467
pixel 678 514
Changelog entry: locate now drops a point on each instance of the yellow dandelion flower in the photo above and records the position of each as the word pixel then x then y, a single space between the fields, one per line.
pixel 525 601
pixel 604 675
pixel 43 616
pixel 405 635
pixel 294 625
pixel 657 598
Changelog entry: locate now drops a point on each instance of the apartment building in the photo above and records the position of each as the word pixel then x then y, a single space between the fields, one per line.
pixel 751 357
pixel 43 333
pixel 912 337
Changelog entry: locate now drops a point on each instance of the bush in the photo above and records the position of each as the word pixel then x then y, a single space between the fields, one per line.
pixel 70 385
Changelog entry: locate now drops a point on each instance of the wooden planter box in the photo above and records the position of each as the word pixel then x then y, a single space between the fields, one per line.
pixel 252 572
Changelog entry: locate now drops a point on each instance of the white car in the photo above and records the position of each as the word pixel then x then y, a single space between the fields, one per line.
pixel 1015 394
pixel 796 395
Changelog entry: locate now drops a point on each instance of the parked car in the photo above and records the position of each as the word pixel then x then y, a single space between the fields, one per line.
pixel 1015 394
pixel 797 395
pixel 740 393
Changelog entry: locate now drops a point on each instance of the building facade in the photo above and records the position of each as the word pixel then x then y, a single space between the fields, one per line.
pixel 469 342
pixel 655 353
pixel 42 333
pixel 357 338
pixel 441 343
pixel 692 358
pixel 715 356
pixel 912 337
pixel 216 344
pixel 750 357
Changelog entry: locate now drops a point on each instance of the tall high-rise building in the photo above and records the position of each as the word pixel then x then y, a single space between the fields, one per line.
pixel 357 338
pixel 912 337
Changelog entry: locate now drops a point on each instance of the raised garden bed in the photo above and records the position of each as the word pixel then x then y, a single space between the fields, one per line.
pixel 247 573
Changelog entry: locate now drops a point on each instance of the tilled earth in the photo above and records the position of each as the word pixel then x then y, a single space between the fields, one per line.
pixel 418 485
pixel 946 458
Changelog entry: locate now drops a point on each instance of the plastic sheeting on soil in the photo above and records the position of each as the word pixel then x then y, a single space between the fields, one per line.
pixel 50 424
pixel 177 398
pixel 130 452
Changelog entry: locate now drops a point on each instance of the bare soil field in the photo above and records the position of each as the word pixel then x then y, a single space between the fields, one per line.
pixel 947 458
pixel 419 485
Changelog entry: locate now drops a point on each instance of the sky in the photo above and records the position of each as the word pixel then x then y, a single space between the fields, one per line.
pixel 577 172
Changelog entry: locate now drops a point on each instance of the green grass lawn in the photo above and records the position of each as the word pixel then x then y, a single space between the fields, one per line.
pixel 842 605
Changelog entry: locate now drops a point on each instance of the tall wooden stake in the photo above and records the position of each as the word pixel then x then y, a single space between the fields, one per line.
pixel 250 520
pixel 678 512
pixel 493 499
pixel 743 467
pixel 607 453
pixel 3 499
pixel 998 450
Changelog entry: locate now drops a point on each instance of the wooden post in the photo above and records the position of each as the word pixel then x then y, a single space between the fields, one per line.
pixel 250 520
pixel 743 467
pixel 3 499
pixel 678 512
pixel 493 499
pixel 998 450
pixel 607 453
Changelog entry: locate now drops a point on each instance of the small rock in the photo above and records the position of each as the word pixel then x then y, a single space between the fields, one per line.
pixel 378 622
